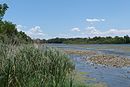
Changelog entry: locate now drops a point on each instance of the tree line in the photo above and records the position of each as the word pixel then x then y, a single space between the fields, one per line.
pixel 94 40
pixel 8 30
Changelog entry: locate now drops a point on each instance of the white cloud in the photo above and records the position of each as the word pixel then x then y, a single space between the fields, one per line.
pixel 92 30
pixel 20 27
pixel 35 32
pixel 95 20
pixel 102 19
pixel 75 29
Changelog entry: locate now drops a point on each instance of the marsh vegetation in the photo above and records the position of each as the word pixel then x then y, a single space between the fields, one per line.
pixel 27 66
pixel 110 60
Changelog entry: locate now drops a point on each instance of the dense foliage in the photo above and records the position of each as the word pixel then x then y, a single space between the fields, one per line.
pixel 8 30
pixel 94 40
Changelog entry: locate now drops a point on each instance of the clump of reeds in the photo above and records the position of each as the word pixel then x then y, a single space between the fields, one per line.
pixel 27 66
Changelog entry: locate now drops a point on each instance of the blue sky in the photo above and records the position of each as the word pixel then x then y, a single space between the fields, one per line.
pixel 70 18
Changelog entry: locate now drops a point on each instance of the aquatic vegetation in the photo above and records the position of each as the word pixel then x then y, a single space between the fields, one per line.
pixel 110 60
pixel 81 52
pixel 27 66
pixel 100 85
pixel 80 79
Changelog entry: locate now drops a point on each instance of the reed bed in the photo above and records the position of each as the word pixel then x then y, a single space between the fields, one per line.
pixel 28 66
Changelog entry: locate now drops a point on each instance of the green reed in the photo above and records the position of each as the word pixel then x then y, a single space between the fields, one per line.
pixel 30 66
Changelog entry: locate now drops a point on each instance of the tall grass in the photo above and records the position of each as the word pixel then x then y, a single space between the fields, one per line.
pixel 28 66
pixel 33 66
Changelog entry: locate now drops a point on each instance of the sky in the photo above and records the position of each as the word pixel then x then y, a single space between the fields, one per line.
pixel 47 19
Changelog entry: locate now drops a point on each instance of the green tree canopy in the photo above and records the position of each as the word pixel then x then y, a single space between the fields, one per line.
pixel 8 30
pixel 3 8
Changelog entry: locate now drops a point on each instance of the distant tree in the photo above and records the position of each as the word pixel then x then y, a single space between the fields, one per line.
pixel 127 39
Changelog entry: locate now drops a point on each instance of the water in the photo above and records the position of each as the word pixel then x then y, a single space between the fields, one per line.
pixel 113 77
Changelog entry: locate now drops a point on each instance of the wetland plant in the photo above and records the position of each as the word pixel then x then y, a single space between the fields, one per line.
pixel 28 66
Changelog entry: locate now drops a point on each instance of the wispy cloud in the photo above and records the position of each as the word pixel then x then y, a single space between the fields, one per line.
pixel 118 31
pixel 75 29
pixel 94 20
pixel 92 31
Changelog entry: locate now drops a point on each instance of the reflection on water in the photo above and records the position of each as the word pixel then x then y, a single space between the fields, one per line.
pixel 114 77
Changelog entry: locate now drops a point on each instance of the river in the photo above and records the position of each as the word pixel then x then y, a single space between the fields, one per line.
pixel 113 77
